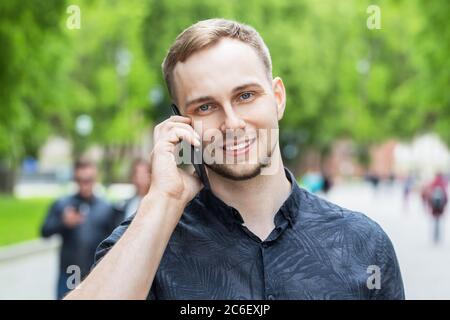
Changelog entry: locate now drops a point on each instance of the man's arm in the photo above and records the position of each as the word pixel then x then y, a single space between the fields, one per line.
pixel 128 269
pixel 53 223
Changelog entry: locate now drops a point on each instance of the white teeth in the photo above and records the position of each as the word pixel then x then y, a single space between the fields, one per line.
pixel 239 146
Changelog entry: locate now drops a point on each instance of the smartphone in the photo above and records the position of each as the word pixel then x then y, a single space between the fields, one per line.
pixel 196 157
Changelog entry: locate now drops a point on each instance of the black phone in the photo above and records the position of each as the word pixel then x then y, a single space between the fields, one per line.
pixel 196 157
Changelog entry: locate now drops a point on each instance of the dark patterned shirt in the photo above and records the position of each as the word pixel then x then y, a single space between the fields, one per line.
pixel 317 250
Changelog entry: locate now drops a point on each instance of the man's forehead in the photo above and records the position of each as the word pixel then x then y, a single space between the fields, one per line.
pixel 220 68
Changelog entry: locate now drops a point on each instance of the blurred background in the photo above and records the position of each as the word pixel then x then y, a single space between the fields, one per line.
pixel 367 123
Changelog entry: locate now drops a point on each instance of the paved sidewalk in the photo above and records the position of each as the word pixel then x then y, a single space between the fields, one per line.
pixel 29 270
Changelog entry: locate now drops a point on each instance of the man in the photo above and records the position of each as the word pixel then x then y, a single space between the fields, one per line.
pixel 255 234
pixel 140 176
pixel 83 221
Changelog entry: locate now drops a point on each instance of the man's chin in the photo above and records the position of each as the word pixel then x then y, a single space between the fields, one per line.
pixel 236 172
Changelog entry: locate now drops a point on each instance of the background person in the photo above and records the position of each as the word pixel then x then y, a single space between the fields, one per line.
pixel 140 177
pixel 82 220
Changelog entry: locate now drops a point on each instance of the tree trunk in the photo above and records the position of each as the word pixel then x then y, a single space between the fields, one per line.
pixel 7 178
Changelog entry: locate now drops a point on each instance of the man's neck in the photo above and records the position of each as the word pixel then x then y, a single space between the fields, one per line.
pixel 257 199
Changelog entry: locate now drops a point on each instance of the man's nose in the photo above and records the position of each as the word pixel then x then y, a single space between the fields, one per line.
pixel 232 119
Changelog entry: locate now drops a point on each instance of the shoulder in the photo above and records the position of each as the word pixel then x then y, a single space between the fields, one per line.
pixel 62 202
pixel 353 239
pixel 334 221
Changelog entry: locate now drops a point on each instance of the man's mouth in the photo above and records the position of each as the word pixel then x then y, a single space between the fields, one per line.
pixel 238 148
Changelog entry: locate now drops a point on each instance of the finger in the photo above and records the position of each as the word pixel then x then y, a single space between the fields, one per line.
pixel 185 126
pixel 176 134
pixel 178 119
pixel 166 125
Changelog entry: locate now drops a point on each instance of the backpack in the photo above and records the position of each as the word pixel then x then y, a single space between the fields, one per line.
pixel 437 199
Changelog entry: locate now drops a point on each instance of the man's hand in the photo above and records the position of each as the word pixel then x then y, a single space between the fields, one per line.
pixel 135 258
pixel 166 178
pixel 72 218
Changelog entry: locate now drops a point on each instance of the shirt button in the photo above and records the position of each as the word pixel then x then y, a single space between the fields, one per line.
pixel 270 297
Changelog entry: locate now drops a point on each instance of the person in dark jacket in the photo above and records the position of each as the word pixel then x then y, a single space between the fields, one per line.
pixel 82 220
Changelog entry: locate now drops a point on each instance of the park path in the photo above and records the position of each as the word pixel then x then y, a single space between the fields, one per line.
pixel 28 270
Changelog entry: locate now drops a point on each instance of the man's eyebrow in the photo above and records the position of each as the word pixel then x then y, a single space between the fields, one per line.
pixel 246 86
pixel 209 98
pixel 199 100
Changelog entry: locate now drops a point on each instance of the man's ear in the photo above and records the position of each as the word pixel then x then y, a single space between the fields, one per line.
pixel 280 96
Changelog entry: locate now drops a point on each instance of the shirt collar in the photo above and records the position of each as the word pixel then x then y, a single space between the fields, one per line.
pixel 229 215
pixel 291 206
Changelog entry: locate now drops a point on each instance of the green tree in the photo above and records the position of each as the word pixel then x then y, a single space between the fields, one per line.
pixel 30 43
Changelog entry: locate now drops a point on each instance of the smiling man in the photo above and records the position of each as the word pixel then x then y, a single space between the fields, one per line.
pixel 255 234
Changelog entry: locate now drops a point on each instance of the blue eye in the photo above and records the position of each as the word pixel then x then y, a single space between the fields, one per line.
pixel 246 95
pixel 204 108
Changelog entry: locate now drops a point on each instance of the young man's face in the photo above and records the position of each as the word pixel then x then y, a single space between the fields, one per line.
pixel 227 88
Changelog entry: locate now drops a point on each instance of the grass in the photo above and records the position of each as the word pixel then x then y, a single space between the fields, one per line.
pixel 21 219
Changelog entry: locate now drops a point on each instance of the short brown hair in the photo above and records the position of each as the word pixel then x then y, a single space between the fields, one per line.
pixel 205 34
pixel 83 163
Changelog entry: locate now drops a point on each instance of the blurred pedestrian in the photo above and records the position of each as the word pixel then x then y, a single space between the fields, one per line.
pixel 437 201
pixel 140 176
pixel 327 183
pixel 373 179
pixel 408 186
pixel 82 220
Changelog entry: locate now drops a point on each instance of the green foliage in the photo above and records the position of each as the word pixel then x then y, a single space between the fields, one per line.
pixel 115 99
pixel 30 45
pixel 342 78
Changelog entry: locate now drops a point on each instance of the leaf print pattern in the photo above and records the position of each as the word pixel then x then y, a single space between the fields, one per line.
pixel 317 250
